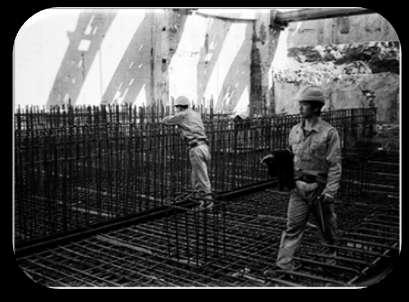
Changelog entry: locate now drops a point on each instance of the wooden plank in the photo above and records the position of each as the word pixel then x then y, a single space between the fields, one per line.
pixel 317 13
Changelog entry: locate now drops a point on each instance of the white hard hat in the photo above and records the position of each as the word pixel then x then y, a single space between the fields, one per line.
pixel 311 94
pixel 182 101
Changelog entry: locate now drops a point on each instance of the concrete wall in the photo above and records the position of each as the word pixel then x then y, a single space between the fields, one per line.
pixel 134 73
pixel 212 63
pixel 264 44
pixel 360 28
pixel 236 62
pixel 350 58
pixel 159 56
pixel 174 53
pixel 84 44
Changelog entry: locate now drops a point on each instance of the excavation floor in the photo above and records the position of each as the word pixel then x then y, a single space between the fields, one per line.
pixel 229 247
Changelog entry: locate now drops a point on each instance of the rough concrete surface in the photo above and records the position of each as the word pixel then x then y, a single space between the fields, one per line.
pixel 350 75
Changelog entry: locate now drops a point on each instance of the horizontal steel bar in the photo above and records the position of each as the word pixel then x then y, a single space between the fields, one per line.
pixel 312 277
pixel 52 281
pixel 46 267
pixel 327 265
pixel 355 250
pixel 377 224
pixel 388 234
pixel 350 260
pixel 246 190
pixel 75 271
pixel 284 282
pixel 369 236
pixel 97 228
pixel 364 242
pixel 110 263
pixel 142 259
pixel 160 267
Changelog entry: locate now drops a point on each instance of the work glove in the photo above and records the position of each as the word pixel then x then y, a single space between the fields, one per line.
pixel 327 198
pixel 263 160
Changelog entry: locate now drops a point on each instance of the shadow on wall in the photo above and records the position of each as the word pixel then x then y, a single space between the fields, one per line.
pixel 134 70
pixel 348 73
pixel 215 37
pixel 237 78
pixel 85 42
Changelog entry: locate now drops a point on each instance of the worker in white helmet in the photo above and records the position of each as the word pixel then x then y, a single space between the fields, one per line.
pixel 192 130
pixel 317 174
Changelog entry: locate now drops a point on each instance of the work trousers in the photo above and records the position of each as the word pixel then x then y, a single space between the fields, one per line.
pixel 200 159
pixel 299 207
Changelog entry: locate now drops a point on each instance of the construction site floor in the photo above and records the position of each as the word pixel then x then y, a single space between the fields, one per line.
pixel 239 245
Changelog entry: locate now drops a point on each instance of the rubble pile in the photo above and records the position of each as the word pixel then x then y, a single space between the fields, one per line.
pixel 323 64
pixel 348 73
pixel 371 52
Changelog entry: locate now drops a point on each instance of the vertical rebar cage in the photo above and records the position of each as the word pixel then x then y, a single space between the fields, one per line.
pixel 76 167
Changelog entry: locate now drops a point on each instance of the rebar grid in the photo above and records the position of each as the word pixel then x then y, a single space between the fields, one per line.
pixel 79 166
pixel 170 251
pixel 230 245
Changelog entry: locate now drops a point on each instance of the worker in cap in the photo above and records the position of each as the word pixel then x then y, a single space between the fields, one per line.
pixel 193 132
pixel 317 174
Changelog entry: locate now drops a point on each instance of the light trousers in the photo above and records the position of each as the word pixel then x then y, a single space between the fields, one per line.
pixel 200 159
pixel 299 208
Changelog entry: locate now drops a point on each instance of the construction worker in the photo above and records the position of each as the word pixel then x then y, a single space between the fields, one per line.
pixel 193 132
pixel 317 173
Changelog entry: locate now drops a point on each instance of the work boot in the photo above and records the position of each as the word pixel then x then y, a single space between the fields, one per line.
pixel 291 266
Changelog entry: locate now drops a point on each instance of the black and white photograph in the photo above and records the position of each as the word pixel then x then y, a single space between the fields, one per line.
pixel 206 148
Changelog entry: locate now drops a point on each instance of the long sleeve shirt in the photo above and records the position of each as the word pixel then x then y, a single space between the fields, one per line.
pixel 190 124
pixel 317 153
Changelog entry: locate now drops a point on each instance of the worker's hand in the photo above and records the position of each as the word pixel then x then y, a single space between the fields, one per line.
pixel 239 116
pixel 327 198
pixel 262 161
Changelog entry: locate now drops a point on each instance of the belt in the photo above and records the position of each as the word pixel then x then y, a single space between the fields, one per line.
pixel 197 143
pixel 307 178
pixel 305 186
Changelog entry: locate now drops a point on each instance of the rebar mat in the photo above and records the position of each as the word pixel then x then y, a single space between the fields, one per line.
pixel 230 245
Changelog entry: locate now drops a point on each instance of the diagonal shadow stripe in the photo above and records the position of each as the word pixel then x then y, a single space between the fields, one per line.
pixel 238 76
pixel 176 30
pixel 134 70
pixel 216 36
pixel 76 63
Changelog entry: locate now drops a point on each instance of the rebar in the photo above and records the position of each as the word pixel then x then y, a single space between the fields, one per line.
pixel 81 166
pixel 138 255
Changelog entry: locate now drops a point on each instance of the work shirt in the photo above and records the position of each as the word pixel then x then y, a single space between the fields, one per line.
pixel 317 152
pixel 190 123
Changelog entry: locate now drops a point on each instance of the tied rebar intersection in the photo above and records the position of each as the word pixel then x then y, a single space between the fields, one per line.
pixel 77 167
pixel 187 249
pixel 89 168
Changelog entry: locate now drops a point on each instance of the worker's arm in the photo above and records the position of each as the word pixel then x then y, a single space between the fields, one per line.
pixel 334 164
pixel 291 138
pixel 173 119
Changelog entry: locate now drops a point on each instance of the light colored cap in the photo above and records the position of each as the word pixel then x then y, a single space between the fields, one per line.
pixel 182 101
pixel 311 94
